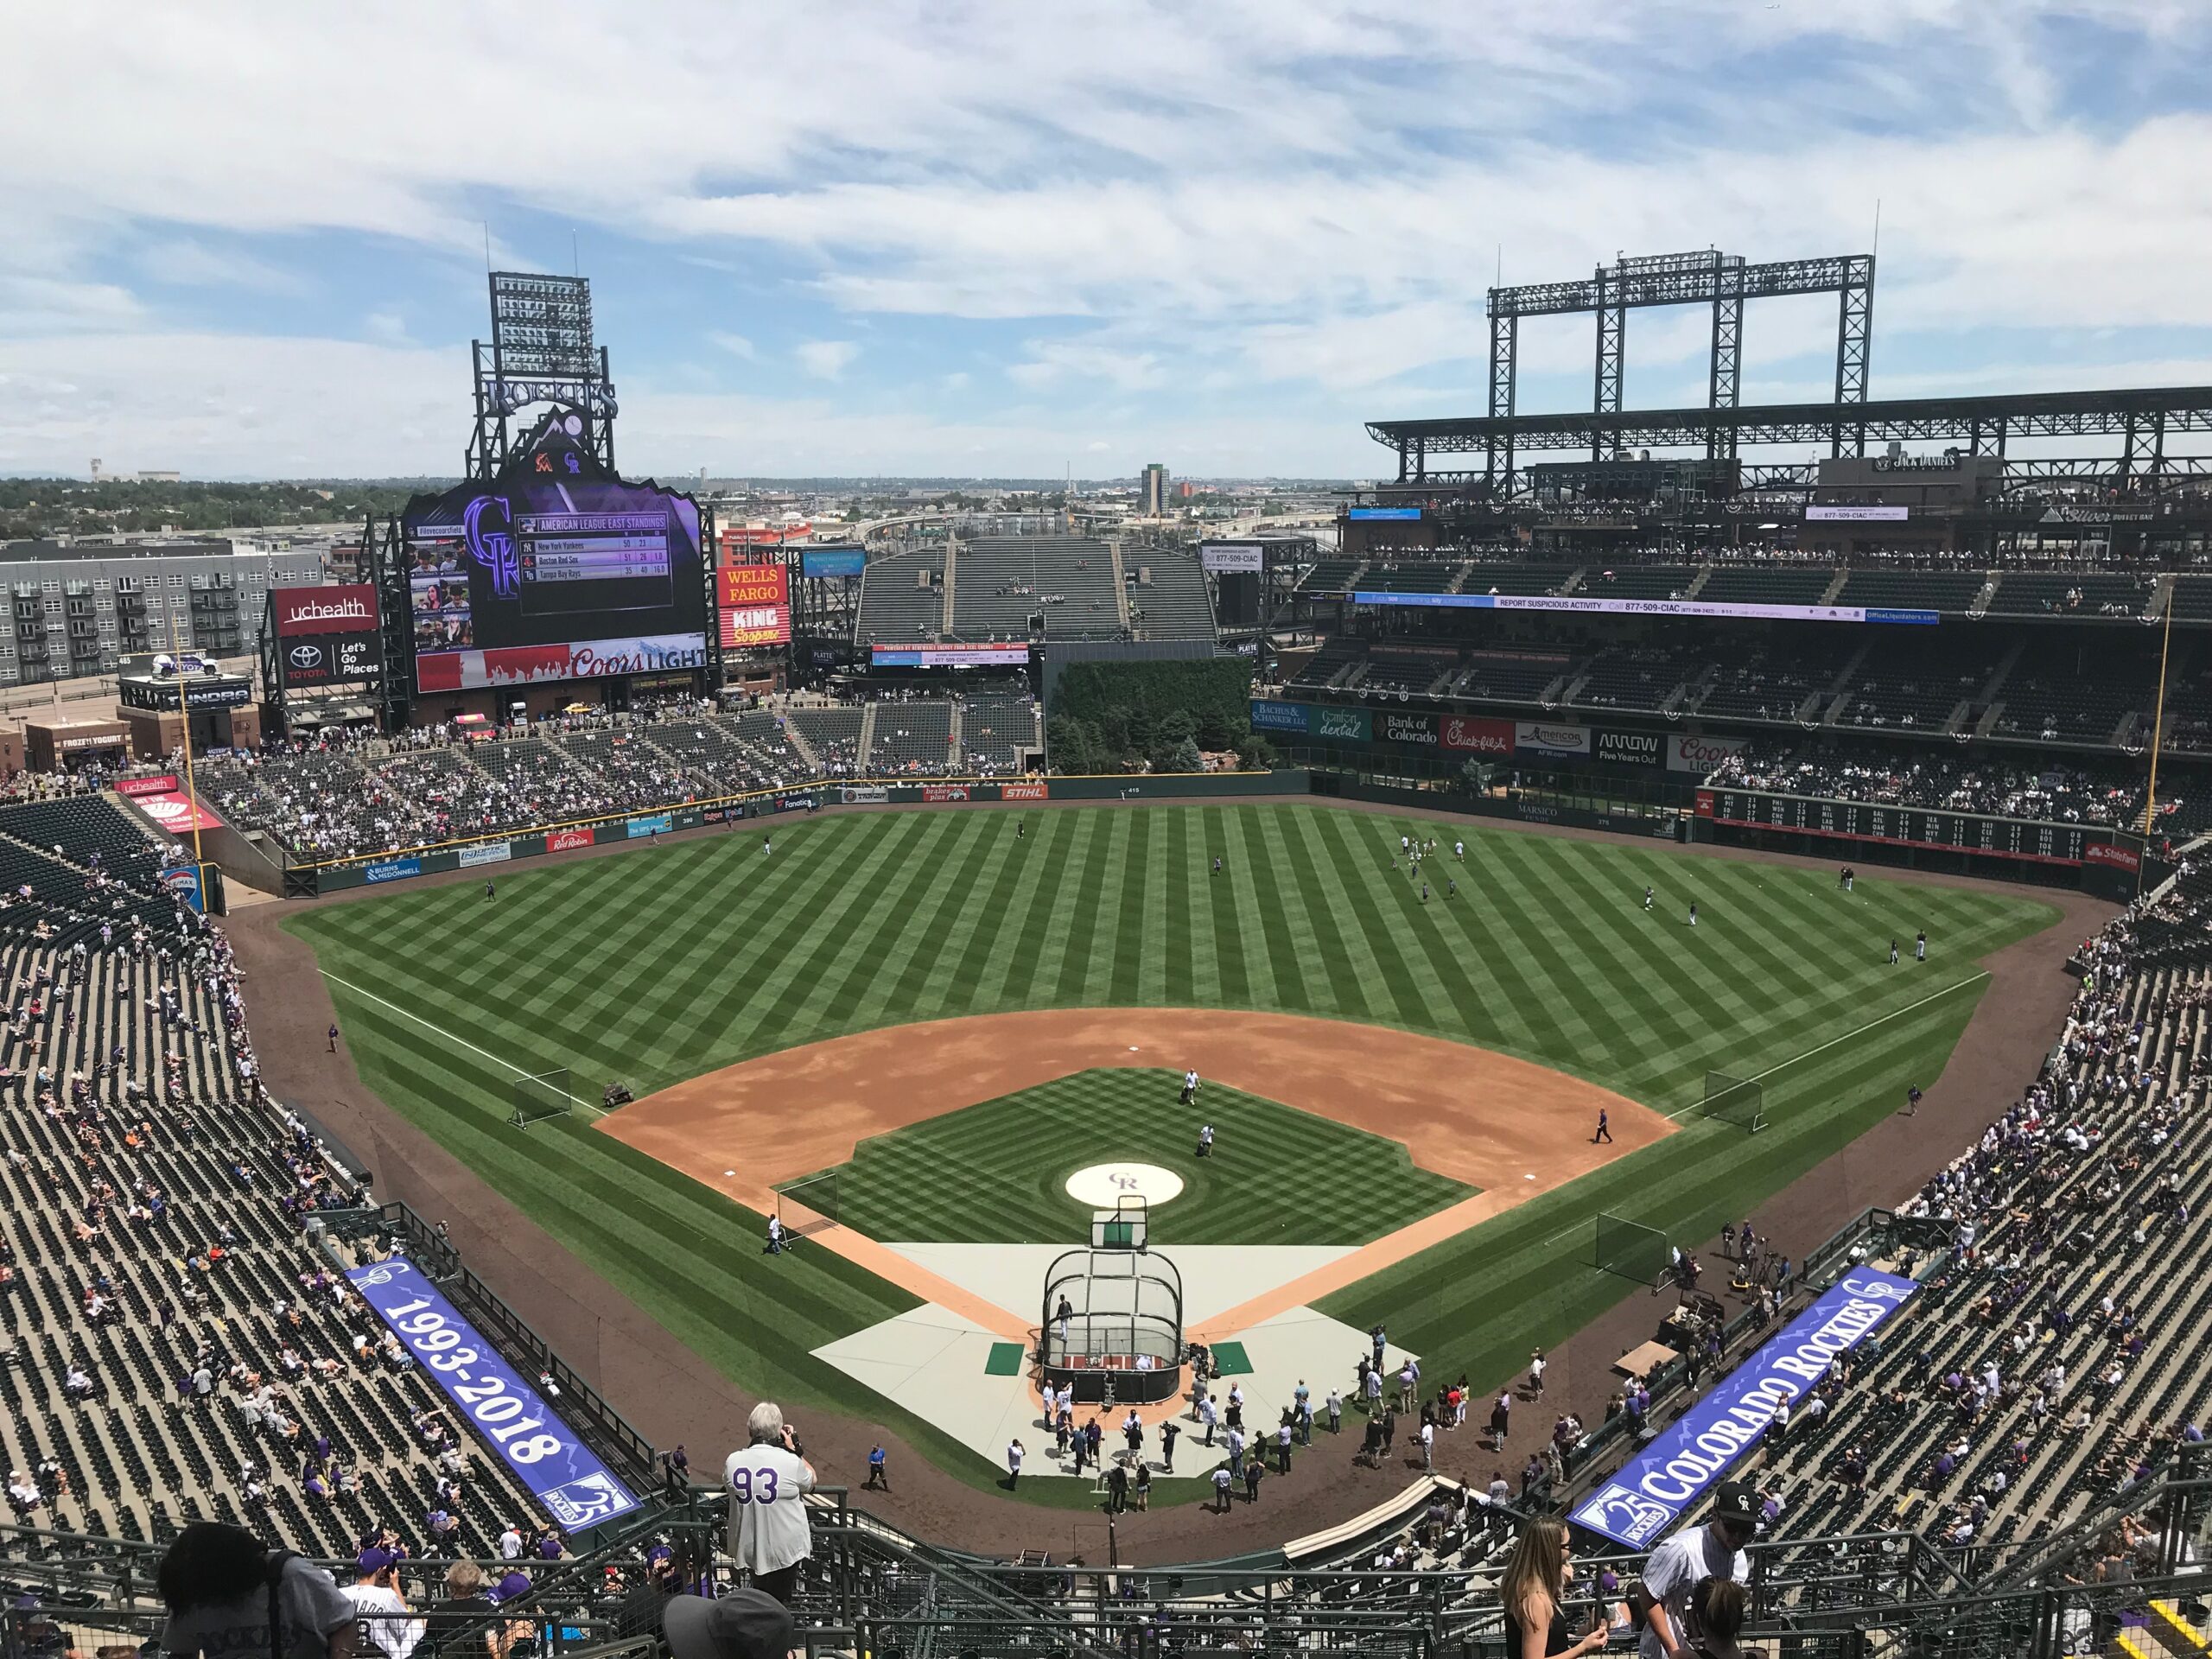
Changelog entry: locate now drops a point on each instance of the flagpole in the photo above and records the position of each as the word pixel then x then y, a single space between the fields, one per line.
pixel 184 716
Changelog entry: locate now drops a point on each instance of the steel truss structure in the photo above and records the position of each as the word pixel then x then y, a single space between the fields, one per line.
pixel 541 352
pixel 2143 418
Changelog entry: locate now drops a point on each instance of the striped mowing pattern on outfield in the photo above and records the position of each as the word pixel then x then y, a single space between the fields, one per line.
pixel 658 965
pixel 1280 1176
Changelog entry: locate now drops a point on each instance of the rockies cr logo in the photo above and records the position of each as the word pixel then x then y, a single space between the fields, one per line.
pixel 1126 1183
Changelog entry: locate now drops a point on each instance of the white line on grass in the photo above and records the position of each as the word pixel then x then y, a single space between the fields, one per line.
pixel 458 1042
pixel 1880 1019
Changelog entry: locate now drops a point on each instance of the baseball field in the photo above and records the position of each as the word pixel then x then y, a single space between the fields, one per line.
pixel 679 968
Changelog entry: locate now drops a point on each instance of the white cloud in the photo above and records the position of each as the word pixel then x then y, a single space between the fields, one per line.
pixel 387 327
pixel 826 359
pixel 1050 362
pixel 956 381
pixel 735 345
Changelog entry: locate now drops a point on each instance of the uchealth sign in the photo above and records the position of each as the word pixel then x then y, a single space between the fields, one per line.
pixel 1544 737
pixel 346 607
pixel 1630 748
pixel 1470 734
pixel 1702 755
pixel 1663 1483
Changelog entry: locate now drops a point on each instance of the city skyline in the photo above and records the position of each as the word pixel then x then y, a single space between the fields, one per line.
pixel 251 243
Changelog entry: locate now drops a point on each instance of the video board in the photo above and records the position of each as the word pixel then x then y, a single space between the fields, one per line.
pixel 326 635
pixel 754 604
pixel 556 570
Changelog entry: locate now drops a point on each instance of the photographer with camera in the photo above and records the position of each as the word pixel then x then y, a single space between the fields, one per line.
pixel 377 1595
pixel 766 1482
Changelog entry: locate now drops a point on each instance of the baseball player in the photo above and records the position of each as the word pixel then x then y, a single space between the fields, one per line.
pixel 1920 946
pixel 1647 901
pixel 1693 912
pixel 1893 953
pixel 1459 851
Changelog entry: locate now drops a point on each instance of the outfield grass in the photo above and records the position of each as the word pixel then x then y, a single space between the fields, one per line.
pixel 1014 1155
pixel 657 965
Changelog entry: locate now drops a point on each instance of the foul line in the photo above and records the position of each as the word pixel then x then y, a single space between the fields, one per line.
pixel 1882 1020
pixel 458 1042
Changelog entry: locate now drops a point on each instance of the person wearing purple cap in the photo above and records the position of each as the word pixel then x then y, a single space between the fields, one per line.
pixel 385 1627
pixel 747 1624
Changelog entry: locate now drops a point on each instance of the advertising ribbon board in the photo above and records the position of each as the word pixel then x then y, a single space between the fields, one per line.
pixel 1025 792
pixel 944 791
pixel 1702 755
pixel 544 1454
pixel 391 870
pixel 490 852
pixel 1661 1483
pixel 1543 737
pixel 1269 715
pixel 560 840
pixel 658 824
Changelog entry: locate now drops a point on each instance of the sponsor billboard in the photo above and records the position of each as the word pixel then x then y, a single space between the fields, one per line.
pixel 1014 655
pixel 832 563
pixel 1547 737
pixel 944 791
pixel 1630 748
pixel 560 840
pixel 391 870
pixel 1472 734
pixel 1645 606
pixel 1663 1481
pixel 350 608
pixel 1371 515
pixel 545 1456
pixel 1232 558
pixel 1340 725
pixel 754 604
pixel 864 795
pixel 1858 515
pixel 556 569
pixel 1419 729
pixel 1023 791
pixel 1702 755
pixel 319 659
pixel 175 815
pixel 658 823
pixel 2113 853
pixel 488 852
pixel 160 784
pixel 1269 715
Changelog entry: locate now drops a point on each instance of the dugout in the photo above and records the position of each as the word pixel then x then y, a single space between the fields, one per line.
pixel 1123 1333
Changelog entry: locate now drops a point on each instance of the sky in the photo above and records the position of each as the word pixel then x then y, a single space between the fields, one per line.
pixel 981 240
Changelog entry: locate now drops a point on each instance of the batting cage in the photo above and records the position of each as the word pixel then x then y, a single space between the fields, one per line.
pixel 542 1095
pixel 1740 1101
pixel 809 1204
pixel 1631 1249
pixel 1113 1326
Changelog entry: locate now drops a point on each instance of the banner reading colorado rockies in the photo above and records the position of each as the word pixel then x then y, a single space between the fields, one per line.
pixel 1658 1486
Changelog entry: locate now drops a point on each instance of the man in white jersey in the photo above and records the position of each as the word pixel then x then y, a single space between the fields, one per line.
pixel 767 1481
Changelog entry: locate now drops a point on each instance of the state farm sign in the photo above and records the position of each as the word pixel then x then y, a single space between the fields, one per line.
pixel 1702 755
pixel 2105 852
pixel 348 609
pixel 1472 734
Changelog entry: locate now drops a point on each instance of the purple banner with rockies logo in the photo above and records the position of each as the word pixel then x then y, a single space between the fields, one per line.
pixel 1659 1485
pixel 513 1420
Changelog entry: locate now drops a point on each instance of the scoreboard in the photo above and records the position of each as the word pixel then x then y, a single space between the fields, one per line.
pixel 2032 840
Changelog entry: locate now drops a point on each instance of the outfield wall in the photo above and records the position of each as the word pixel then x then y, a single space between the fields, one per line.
pixel 492 855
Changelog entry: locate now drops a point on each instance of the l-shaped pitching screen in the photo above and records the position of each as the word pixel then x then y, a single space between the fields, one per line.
pixel 537 578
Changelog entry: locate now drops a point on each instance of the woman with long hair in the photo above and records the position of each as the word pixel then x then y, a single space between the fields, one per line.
pixel 1534 1591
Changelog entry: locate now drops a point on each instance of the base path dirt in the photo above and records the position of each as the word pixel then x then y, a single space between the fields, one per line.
pixel 672 1395
pixel 1510 1127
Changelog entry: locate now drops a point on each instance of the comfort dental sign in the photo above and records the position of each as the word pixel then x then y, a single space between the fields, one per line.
pixel 1658 1486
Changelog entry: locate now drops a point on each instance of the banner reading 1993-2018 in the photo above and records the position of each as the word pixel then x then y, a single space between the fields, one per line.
pixel 508 1414
pixel 1661 1483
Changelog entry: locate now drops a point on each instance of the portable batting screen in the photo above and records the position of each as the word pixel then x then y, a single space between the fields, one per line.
pixel 1631 1249
pixel 1740 1101
pixel 808 1204
pixel 541 1096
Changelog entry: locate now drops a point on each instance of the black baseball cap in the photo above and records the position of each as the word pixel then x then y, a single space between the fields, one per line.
pixel 746 1623
pixel 1734 1501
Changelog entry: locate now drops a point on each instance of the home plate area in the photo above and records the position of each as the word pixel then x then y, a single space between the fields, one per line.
pixel 981 1389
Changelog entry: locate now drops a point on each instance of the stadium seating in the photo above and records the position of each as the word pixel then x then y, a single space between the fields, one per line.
pixel 1000 582
pixel 833 733
pixel 2064 794
pixel 1636 581
pixel 902 600
pixel 154 1216
pixel 1510 676
pixel 1630 676
pixel 1772 685
pixel 1919 590
pixel 2072 593
pixel 1767 584
pixel 911 736
pixel 996 731
pixel 1900 684
pixel 1174 604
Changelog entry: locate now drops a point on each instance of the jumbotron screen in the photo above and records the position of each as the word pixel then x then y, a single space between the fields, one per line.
pixel 553 573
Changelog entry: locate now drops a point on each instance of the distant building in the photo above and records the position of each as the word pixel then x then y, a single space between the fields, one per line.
pixel 1151 491
pixel 77 610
